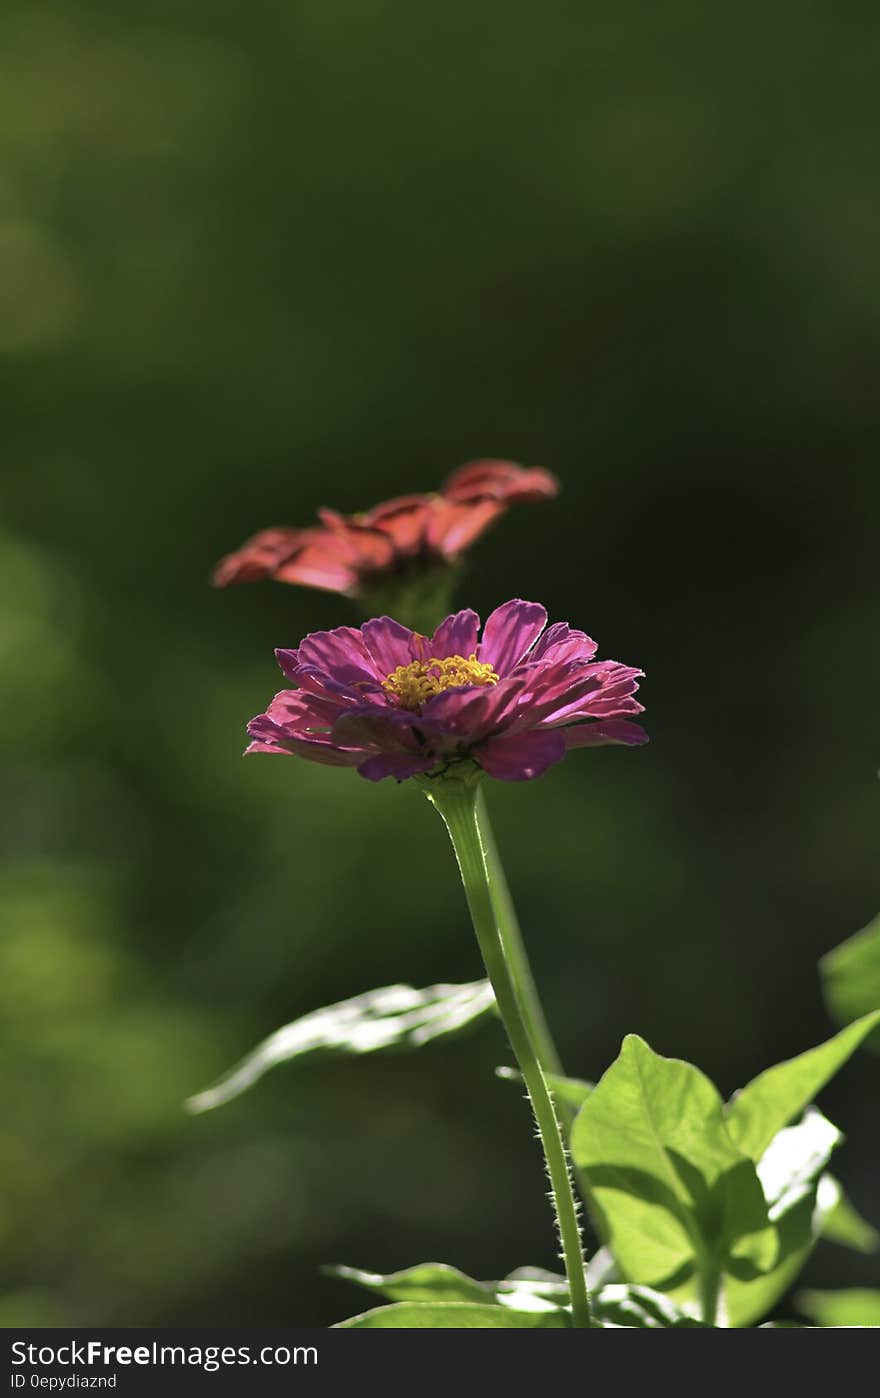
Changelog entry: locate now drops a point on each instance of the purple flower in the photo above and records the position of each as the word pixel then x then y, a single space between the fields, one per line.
pixel 393 703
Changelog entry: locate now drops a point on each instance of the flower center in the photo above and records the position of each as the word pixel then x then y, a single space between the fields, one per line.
pixel 413 684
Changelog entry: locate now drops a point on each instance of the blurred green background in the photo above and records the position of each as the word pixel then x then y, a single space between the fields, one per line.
pixel 259 258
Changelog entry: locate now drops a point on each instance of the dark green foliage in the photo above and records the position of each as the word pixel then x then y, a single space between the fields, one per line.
pixel 851 976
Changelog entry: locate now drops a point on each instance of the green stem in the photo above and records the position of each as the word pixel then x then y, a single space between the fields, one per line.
pixel 514 948
pixel 523 980
pixel 456 802
pixel 710 1290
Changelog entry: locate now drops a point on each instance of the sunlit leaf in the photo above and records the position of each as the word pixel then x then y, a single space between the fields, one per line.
pixel 614 1307
pixel 532 1289
pixel 851 977
pixel 393 1017
pixel 785 1325
pixel 792 1163
pixel 799 1197
pixel 845 1225
pixel 668 1183
pixel 461 1315
pixel 773 1099
pixel 427 1281
pixel 640 1308
pixel 602 1269
pixel 841 1308
pixel 528 1288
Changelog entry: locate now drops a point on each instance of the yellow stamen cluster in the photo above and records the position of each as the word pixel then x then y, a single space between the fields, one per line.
pixel 411 685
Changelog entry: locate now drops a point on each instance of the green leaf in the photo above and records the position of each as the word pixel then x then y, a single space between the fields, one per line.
pixel 666 1180
pixel 640 1308
pixel 776 1096
pixel 851 977
pixel 571 1092
pixel 452 1315
pixel 434 1295
pixel 393 1017
pixel 833 1309
pixel 531 1288
pixel 844 1225
pixel 427 1281
pixel 676 1196
pixel 602 1269
pixel 528 1288
pixel 791 1165
pixel 799 1200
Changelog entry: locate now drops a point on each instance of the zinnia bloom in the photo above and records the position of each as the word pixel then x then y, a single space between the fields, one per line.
pixel 394 703
pixel 347 553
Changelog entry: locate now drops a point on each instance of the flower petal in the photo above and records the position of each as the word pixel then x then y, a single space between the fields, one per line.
pixel 559 642
pixel 336 555
pixel 389 644
pixel 453 526
pixel 472 712
pixel 457 635
pixel 519 758
pixel 404 521
pixel 613 695
pixel 395 764
pixel 318 568
pixel 382 729
pixel 303 713
pixel 288 661
pixel 509 632
pixel 271 736
pixel 611 730
pixel 340 653
pixel 354 541
pixel 323 753
pixel 258 557
pixel 500 480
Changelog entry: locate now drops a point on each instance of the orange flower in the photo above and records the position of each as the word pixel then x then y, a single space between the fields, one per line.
pixel 411 534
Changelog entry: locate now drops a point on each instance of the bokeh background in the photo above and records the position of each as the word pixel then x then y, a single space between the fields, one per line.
pixel 258 258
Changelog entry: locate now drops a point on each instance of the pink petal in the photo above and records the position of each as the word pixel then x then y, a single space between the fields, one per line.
pixel 404 521
pixel 303 713
pixel 340 653
pixel 385 729
pixel 389 644
pixel 323 753
pixel 472 712
pixel 519 758
pixel 270 736
pixel 597 706
pixel 394 764
pixel 259 557
pixel 326 574
pixel 549 695
pixel 610 693
pixel 288 661
pixel 559 642
pixel 457 635
pixel 453 527
pixel 500 480
pixel 317 682
pixel 509 632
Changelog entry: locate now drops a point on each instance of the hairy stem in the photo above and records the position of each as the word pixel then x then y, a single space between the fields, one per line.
pixel 457 803
pixel 514 947
pixel 522 977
